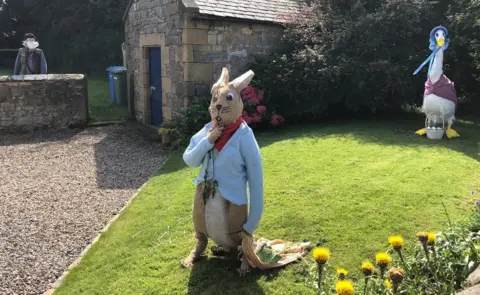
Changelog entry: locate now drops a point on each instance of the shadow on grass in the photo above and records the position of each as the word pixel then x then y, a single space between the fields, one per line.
pixel 380 130
pixel 226 278
pixel 386 131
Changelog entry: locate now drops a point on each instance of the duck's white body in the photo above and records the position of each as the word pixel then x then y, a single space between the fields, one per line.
pixel 439 110
pixel 435 107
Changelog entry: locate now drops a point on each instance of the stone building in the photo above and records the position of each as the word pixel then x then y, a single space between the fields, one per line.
pixel 176 49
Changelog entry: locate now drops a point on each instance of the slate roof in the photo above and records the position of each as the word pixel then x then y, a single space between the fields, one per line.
pixel 279 11
pixel 256 10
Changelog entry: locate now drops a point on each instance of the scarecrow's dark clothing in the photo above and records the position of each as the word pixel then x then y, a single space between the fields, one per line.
pixel 35 62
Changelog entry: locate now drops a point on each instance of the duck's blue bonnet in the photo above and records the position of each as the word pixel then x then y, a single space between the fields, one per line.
pixel 433 43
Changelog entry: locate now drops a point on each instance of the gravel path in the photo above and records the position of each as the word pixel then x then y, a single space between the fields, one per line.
pixel 57 191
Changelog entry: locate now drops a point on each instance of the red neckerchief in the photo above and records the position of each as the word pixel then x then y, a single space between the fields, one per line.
pixel 227 133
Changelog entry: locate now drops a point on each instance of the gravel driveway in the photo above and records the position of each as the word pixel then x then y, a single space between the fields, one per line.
pixel 57 191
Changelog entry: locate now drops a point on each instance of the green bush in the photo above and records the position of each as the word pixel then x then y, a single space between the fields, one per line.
pixel 193 118
pixel 359 56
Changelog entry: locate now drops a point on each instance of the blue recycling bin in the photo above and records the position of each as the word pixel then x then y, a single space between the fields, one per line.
pixel 111 80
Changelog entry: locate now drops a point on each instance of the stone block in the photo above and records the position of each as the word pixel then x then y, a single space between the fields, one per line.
pixel 247 31
pixel 239 40
pixel 205 25
pixel 208 57
pixel 164 99
pixel 139 53
pixel 143 93
pixel 187 21
pixel 166 85
pixel 178 102
pixel 220 39
pixel 175 75
pixel 195 36
pixel 179 88
pixel 172 53
pixel 155 39
pixel 220 26
pixel 167 113
pixel 199 72
pixel 165 55
pixel 202 48
pixel 202 90
pixel 173 40
pixel 190 88
pixel 144 66
pixel 5 94
pixel 172 8
pixel 212 38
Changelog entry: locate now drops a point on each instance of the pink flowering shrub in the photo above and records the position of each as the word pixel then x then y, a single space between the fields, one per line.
pixel 254 112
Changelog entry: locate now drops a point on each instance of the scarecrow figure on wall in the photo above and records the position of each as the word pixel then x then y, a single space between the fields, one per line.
pixel 30 59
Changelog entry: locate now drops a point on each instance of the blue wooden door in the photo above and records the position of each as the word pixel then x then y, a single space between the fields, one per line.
pixel 155 83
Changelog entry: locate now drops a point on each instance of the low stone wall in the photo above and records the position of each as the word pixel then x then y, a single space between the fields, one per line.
pixel 43 102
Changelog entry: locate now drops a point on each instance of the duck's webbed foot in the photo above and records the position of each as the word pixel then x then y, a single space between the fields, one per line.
pixel 451 133
pixel 422 131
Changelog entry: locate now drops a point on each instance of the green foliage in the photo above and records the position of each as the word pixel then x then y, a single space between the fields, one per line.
pixel 265 254
pixel 435 267
pixel 193 117
pixel 360 55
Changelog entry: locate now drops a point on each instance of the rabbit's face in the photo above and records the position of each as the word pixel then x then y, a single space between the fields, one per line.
pixel 226 105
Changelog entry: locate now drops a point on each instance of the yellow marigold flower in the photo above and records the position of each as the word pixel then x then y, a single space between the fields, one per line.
pixel 383 259
pixel 367 268
pixel 431 238
pixel 396 275
pixel 342 273
pixel 321 255
pixel 388 284
pixel 422 236
pixel 344 287
pixel 396 242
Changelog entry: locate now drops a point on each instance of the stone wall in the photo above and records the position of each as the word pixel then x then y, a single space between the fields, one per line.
pixel 193 51
pixel 42 101
pixel 154 23
pixel 228 44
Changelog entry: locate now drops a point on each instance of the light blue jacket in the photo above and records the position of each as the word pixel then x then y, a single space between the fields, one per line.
pixel 236 164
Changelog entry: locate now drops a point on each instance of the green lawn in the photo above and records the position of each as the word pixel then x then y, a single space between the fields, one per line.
pixel 353 183
pixel 100 105
pixel 6 72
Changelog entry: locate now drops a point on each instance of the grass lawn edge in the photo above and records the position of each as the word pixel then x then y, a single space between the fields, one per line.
pixel 77 261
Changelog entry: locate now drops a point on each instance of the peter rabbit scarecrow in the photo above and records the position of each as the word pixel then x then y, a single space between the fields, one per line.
pixel 229 156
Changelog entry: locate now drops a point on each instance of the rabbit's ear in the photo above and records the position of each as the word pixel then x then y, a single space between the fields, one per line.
pixel 223 80
pixel 242 82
